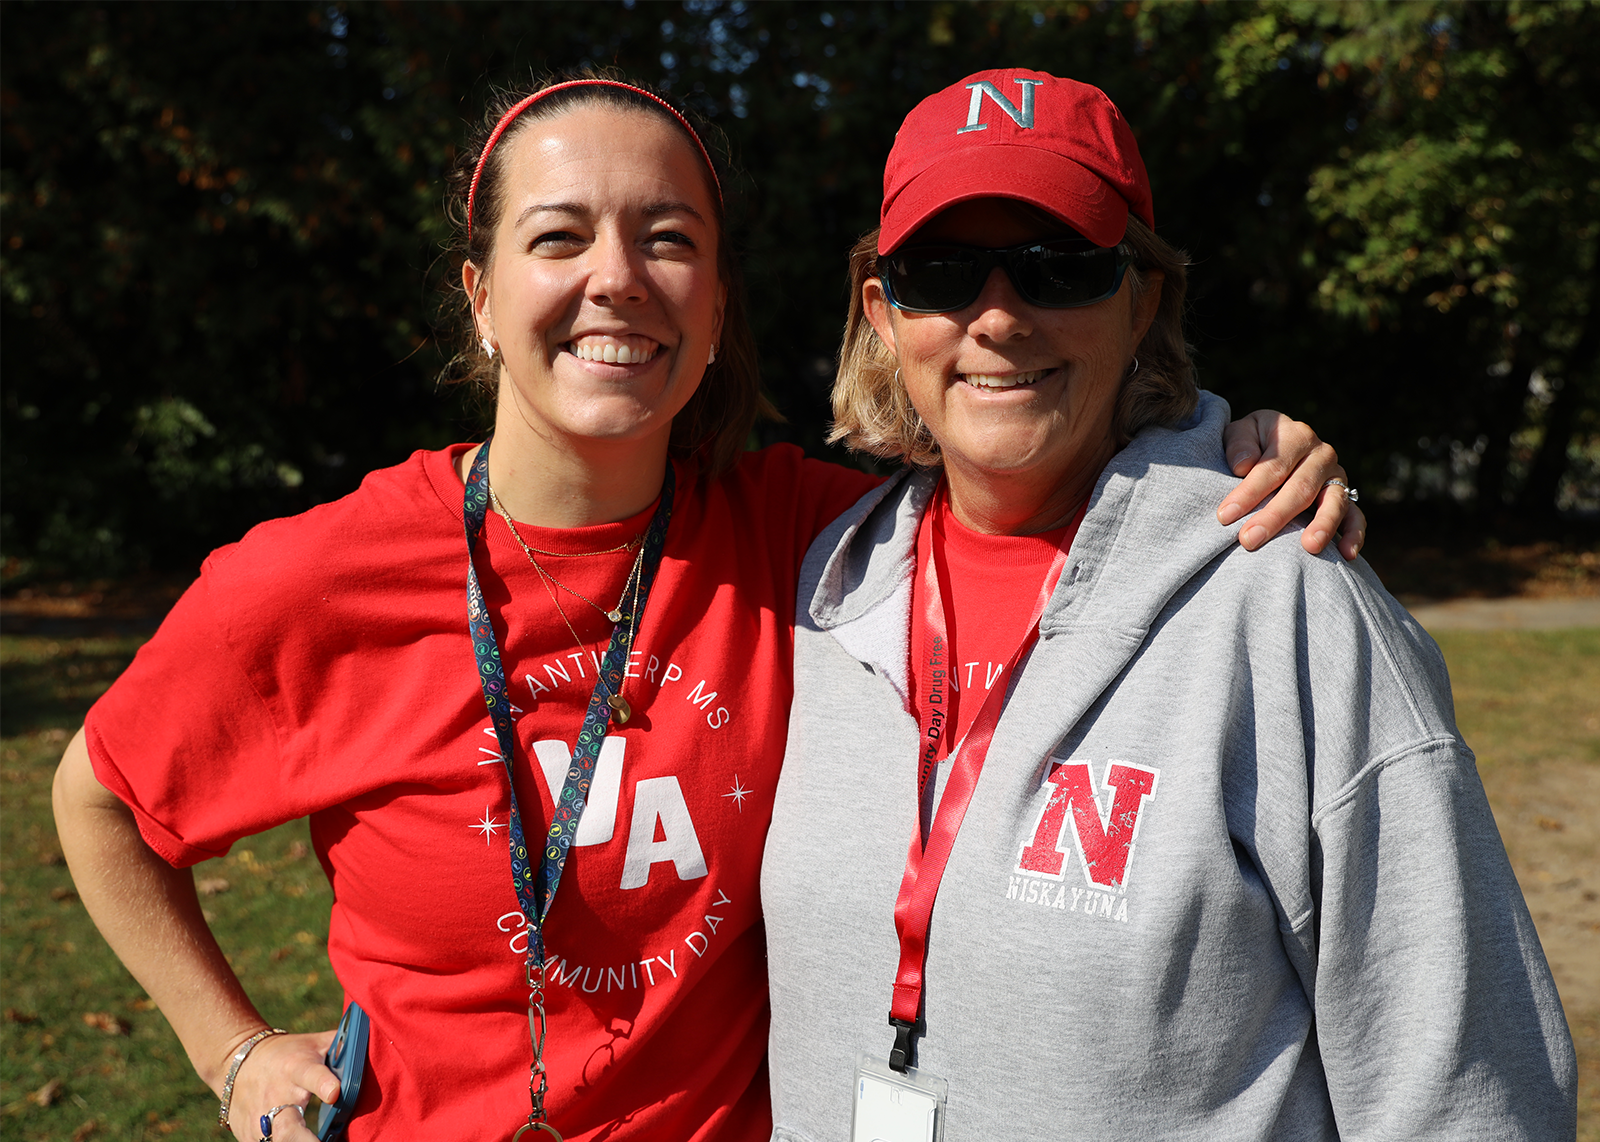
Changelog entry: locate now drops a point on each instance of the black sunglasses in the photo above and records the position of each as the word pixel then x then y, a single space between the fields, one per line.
pixel 1056 275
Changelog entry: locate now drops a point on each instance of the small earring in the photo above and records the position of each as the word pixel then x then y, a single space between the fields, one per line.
pixel 1135 368
pixel 712 360
pixel 897 376
pixel 488 348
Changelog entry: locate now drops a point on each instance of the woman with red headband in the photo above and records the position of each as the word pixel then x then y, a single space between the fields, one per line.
pixel 1091 826
pixel 571 642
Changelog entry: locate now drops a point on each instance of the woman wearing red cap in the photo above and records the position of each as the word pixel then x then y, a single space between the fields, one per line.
pixel 574 643
pixel 1089 825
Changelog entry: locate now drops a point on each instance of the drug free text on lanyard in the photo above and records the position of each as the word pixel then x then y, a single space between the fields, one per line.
pixel 925 861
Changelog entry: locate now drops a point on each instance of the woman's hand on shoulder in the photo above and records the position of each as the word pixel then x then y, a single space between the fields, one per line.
pixel 1272 451
pixel 286 1071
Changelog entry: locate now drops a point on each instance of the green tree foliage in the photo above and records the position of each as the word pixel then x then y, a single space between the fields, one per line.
pixel 1462 212
pixel 222 234
pixel 211 284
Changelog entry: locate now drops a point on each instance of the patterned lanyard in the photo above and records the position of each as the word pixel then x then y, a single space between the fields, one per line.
pixel 537 891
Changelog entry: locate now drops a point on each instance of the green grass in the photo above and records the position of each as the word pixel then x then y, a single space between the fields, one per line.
pixel 54 967
pixel 1521 697
pixel 1526 696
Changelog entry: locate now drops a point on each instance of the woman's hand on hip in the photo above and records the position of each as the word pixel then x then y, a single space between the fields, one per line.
pixel 1273 451
pixel 281 1071
pixel 149 914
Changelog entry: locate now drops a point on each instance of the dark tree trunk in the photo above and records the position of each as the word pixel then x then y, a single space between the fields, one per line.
pixel 1502 418
pixel 1538 497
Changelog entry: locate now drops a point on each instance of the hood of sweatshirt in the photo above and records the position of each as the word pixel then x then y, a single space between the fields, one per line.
pixel 1150 529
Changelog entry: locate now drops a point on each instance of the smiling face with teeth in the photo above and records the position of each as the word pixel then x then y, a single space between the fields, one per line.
pixel 602 295
pixel 1020 398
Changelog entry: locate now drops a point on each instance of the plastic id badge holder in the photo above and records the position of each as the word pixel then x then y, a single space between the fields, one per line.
pixel 893 1107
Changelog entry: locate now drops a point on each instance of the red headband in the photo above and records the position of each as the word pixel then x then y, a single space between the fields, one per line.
pixel 510 116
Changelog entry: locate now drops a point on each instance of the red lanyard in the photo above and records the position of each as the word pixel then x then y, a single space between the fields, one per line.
pixel 913 909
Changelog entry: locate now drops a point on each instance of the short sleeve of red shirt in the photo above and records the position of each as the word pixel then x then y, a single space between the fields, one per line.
pixel 213 732
pixel 176 715
pixel 300 611
pixel 321 667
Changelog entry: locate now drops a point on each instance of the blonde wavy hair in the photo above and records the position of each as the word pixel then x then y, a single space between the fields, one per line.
pixel 872 412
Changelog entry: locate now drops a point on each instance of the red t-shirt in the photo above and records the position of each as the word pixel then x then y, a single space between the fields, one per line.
pixel 989 585
pixel 321 667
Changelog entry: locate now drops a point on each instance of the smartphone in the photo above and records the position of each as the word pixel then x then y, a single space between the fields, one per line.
pixel 347 1058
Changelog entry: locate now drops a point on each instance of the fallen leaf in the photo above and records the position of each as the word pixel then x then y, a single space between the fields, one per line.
pixel 297 850
pixel 15 1016
pixel 47 1094
pixel 145 1004
pixel 105 1021
pixel 51 858
pixel 212 885
pixel 85 1130
pixel 1549 824
pixel 281 954
pixel 63 894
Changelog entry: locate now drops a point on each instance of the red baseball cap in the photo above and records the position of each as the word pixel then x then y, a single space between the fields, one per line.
pixel 1056 143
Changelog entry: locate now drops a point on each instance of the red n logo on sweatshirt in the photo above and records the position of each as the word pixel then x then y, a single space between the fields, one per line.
pixel 1105 844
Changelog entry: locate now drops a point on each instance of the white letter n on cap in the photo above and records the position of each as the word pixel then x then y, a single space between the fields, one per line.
pixel 1022 118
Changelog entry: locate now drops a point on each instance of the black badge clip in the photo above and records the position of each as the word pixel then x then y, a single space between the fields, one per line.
pixel 900 1057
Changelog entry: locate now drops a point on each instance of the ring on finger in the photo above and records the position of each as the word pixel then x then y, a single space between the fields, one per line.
pixel 1350 493
pixel 266 1119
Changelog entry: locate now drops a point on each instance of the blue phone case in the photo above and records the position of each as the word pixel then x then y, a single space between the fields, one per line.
pixel 347 1058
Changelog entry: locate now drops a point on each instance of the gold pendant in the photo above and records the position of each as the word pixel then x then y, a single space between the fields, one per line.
pixel 619 707
pixel 615 616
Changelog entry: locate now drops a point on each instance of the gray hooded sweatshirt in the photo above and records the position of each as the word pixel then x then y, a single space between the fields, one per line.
pixel 1228 873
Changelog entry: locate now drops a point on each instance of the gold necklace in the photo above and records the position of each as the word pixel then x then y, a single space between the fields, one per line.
pixel 499 507
pixel 620 708
pixel 615 613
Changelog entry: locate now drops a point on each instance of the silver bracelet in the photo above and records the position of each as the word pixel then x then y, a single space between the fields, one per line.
pixel 235 1063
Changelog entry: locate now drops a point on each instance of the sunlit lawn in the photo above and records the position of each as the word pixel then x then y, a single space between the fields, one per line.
pixel 1528 702
pixel 85 1054
pixel 1526 696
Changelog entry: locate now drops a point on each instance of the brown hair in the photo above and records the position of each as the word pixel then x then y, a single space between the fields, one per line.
pixel 872 412
pixel 714 427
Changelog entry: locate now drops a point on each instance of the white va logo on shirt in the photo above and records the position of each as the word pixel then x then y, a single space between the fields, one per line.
pixel 657 804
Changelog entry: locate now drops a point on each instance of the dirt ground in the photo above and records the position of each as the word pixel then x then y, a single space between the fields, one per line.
pixel 1548 812
pixel 1418 561
pixel 1550 820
